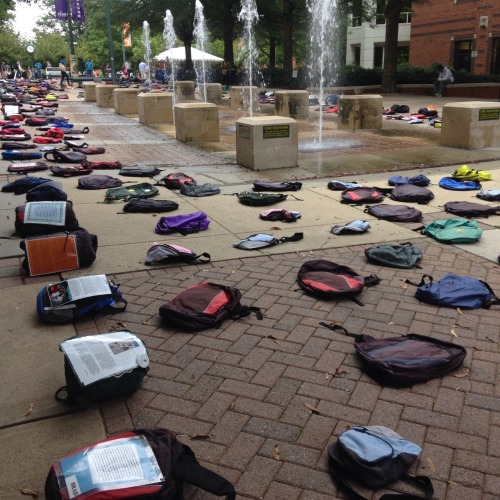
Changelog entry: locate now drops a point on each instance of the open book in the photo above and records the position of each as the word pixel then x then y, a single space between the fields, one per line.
pixel 78 288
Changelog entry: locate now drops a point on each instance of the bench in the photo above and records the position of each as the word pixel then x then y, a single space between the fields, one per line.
pixel 79 80
pixel 471 90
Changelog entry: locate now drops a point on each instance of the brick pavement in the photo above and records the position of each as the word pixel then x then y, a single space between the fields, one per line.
pixel 260 401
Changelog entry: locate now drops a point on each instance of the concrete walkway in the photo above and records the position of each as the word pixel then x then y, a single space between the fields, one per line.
pixel 260 401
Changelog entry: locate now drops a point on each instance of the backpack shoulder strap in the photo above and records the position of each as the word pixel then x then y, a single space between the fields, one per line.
pixel 295 237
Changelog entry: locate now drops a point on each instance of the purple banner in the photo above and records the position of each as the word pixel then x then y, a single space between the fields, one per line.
pixel 61 9
pixel 77 12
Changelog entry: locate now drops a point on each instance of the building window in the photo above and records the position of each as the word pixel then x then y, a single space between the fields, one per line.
pixel 495 56
pixel 378 56
pixel 462 55
pixel 357 54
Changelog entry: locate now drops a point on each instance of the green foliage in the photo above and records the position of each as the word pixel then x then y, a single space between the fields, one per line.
pixel 12 47
pixel 354 75
pixel 6 12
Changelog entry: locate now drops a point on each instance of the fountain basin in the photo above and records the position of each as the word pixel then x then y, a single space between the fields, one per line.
pixel 89 91
pixel 104 95
pixel 196 122
pixel 125 101
pixel 241 97
pixel 292 103
pixel 155 108
pixel 360 112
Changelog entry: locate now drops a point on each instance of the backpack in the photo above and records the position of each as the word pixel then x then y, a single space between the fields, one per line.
pixel 139 171
pixel 340 185
pixel 101 165
pixel 394 213
pixel 51 191
pixel 453 231
pixel 175 180
pixel 15 137
pixel 428 111
pixel 374 456
pixel 468 174
pixel 69 250
pixel 403 256
pixel 468 209
pixel 164 254
pixel 360 195
pixel 69 171
pixel 327 280
pixel 23 185
pixel 42 224
pixel 260 199
pixel 417 180
pixel 46 140
pixel 35 121
pixel 22 155
pixel 143 190
pixel 93 181
pixel 353 227
pixel 142 205
pixel 276 186
pixel 17 145
pixel 411 194
pixel 163 464
pixel 203 306
pixel 76 298
pixel 193 189
pixel 90 151
pixel 262 240
pixel 400 108
pixel 183 224
pixel 28 167
pixel 454 290
pixel 65 157
pixel 84 389
pixel 459 184
pixel 280 214
pixel 489 195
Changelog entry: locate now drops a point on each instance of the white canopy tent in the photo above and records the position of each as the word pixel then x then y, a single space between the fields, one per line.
pixel 179 54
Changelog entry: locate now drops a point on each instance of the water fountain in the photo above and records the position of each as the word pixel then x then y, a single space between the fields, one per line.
pixel 169 38
pixel 147 52
pixel 200 33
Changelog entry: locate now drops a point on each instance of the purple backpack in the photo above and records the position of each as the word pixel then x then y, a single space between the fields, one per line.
pixel 183 224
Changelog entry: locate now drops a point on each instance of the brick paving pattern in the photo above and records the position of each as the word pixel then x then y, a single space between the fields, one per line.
pixel 260 401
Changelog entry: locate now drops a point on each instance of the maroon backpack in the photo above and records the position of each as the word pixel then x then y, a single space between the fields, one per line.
pixel 175 180
pixel 360 195
pixel 394 213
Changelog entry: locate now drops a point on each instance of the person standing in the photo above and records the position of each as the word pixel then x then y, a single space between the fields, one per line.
pixel 445 76
pixel 18 70
pixel 38 70
pixel 4 71
pixel 89 66
pixel 64 73
pixel 142 70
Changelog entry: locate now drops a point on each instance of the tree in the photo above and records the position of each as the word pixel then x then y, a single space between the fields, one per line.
pixel 6 12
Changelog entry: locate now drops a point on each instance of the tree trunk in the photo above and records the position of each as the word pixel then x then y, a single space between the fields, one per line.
pixel 227 30
pixel 392 12
pixel 287 39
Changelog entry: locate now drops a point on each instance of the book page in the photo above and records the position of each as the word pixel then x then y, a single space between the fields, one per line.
pixel 45 212
pixel 78 288
pixel 96 357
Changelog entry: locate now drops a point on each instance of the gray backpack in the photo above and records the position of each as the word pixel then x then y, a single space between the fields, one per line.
pixel 193 189
pixel 403 256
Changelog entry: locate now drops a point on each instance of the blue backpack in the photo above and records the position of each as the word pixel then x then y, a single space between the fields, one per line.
pixel 454 290
pixel 459 185
pixel 23 185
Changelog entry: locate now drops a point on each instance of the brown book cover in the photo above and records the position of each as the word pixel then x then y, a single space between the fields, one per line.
pixel 52 254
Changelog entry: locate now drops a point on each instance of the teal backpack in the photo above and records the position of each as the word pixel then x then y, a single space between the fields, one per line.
pixel 454 231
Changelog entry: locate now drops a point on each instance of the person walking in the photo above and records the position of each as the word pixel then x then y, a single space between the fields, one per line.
pixel 445 76
pixel 64 73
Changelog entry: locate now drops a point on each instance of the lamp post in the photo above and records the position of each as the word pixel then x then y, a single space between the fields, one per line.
pixel 110 43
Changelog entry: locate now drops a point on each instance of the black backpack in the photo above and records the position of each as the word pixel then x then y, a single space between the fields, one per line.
pixel 99 182
pixel 263 240
pixel 136 171
pixel 411 194
pixel 360 195
pixel 327 280
pixel 276 186
pixel 50 191
pixel 260 199
pixel 403 256
pixel 400 108
pixel 175 180
pixel 164 458
pixel 146 205
pixel 204 306
pixel 23 185
pixel 469 210
pixel 394 213
pixel 65 157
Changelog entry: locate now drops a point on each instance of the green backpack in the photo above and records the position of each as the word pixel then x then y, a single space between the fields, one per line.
pixel 453 231
pixel 403 256
pixel 126 193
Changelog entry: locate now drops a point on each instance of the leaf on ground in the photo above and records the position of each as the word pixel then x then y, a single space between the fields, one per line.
pixel 462 374
pixel 274 339
pixel 200 437
pixel 340 371
pixel 275 228
pixel 328 376
pixel 453 332
pixel 311 407
pixel 30 491
pixel 276 453
pixel 459 311
pixel 30 409
pixel 431 465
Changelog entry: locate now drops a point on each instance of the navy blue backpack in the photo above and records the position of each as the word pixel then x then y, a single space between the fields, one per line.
pixel 458 185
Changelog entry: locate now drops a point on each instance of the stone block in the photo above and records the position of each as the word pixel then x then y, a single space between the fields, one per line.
pixel 358 112
pixel 292 103
pixel 89 91
pixel 155 108
pixel 184 90
pixel 471 125
pixel 266 142
pixel 211 92
pixel 196 122
pixel 104 95
pixel 244 97
pixel 125 101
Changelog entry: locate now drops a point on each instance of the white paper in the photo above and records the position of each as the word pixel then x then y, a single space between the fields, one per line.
pixel 78 288
pixel 96 357
pixel 45 212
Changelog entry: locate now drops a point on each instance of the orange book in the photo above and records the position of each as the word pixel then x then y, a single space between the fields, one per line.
pixel 52 254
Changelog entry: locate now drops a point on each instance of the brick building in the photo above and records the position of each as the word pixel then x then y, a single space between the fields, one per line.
pixel 464 34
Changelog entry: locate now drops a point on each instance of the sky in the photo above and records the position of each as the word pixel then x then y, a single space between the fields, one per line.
pixel 26 17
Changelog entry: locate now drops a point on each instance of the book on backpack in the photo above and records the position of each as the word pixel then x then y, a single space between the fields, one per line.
pixel 402 256
pixel 276 186
pixel 166 254
pixel 58 252
pixel 410 193
pixel 183 224
pixel 374 456
pixel 204 306
pixel 134 191
pixel 119 361
pixel 361 195
pixel 76 298
pixel 454 290
pixel 453 231
pixel 470 210
pixel 330 281
pixel 144 464
pixel 262 240
pixel 394 213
